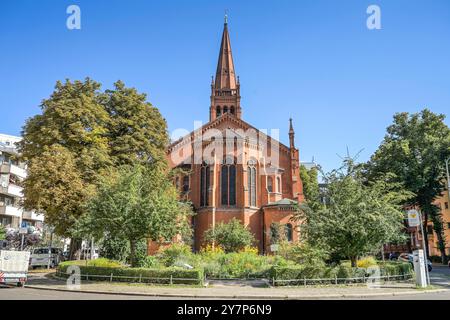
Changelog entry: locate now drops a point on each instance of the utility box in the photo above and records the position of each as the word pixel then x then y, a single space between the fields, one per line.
pixel 419 268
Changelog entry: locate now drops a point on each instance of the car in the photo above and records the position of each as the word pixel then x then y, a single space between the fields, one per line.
pixel 40 257
pixel 408 257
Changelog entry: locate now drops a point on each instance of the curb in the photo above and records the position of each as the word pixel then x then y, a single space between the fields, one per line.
pixel 250 297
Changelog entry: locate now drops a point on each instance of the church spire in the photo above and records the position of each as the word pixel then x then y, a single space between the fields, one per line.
pixel 291 135
pixel 225 76
pixel 225 89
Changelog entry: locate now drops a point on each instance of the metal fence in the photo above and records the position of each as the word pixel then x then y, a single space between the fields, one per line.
pixel 337 281
pixel 132 279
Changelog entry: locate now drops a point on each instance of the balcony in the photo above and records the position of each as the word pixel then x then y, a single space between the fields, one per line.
pixel 12 190
pixel 13 169
pixel 32 215
pixel 10 211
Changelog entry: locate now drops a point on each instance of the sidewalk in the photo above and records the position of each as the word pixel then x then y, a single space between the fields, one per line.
pixel 223 291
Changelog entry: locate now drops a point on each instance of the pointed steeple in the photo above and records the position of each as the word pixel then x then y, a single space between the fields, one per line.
pixel 225 75
pixel 225 89
pixel 291 135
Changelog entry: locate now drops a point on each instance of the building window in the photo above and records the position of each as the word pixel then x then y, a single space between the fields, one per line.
pixel 279 184
pixel 225 109
pixel 218 111
pixel 448 225
pixel 430 230
pixel 288 232
pixel 232 109
pixel 204 184
pixel 446 205
pixel 251 183
pixel 228 182
pixel 185 184
pixel 5 221
pixel 270 184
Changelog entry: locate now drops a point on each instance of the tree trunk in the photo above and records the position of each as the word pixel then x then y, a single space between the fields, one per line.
pixel 354 261
pixel 436 218
pixel 74 249
pixel 133 253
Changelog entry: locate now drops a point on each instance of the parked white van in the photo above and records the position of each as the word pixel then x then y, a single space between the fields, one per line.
pixel 40 257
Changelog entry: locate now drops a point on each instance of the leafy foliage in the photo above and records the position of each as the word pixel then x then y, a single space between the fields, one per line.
pixel 2 233
pixel 414 150
pixel 303 253
pixel 232 236
pixel 175 254
pixel 140 202
pixel 144 275
pixel 82 136
pixel 311 187
pixel 359 219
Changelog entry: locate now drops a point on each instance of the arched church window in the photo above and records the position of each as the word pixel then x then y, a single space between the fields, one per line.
pixel 228 182
pixel 218 112
pixel 204 184
pixel 185 184
pixel 270 184
pixel 225 109
pixel 251 182
pixel 279 184
pixel 232 110
pixel 288 232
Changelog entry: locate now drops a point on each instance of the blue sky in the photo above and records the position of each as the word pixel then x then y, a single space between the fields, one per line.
pixel 314 61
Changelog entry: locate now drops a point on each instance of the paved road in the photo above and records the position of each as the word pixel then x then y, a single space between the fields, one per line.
pixel 36 294
pixel 439 276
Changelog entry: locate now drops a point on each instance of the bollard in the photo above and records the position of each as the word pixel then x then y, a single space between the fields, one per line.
pixel 171 281
pixel 110 278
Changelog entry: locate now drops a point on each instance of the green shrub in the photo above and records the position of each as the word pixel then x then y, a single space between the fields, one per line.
pixel 103 262
pixel 144 275
pixel 297 272
pixel 176 254
pixel 303 254
pixel 392 268
pixel 100 262
pixel 342 271
pixel 150 262
pixel 232 236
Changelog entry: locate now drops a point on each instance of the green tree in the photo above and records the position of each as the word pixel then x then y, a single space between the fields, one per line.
pixel 414 149
pixel 118 249
pixel 82 135
pixel 311 186
pixel 232 236
pixel 2 233
pixel 359 219
pixel 66 149
pixel 137 133
pixel 136 203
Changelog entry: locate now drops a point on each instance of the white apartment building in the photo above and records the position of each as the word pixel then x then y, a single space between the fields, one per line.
pixel 12 173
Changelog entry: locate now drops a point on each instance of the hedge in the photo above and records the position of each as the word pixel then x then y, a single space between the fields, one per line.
pixel 340 273
pixel 172 275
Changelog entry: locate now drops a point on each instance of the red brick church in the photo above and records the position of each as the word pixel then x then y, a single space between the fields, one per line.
pixel 236 170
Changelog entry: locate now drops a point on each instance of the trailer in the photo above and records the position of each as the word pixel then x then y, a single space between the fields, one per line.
pixel 14 267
